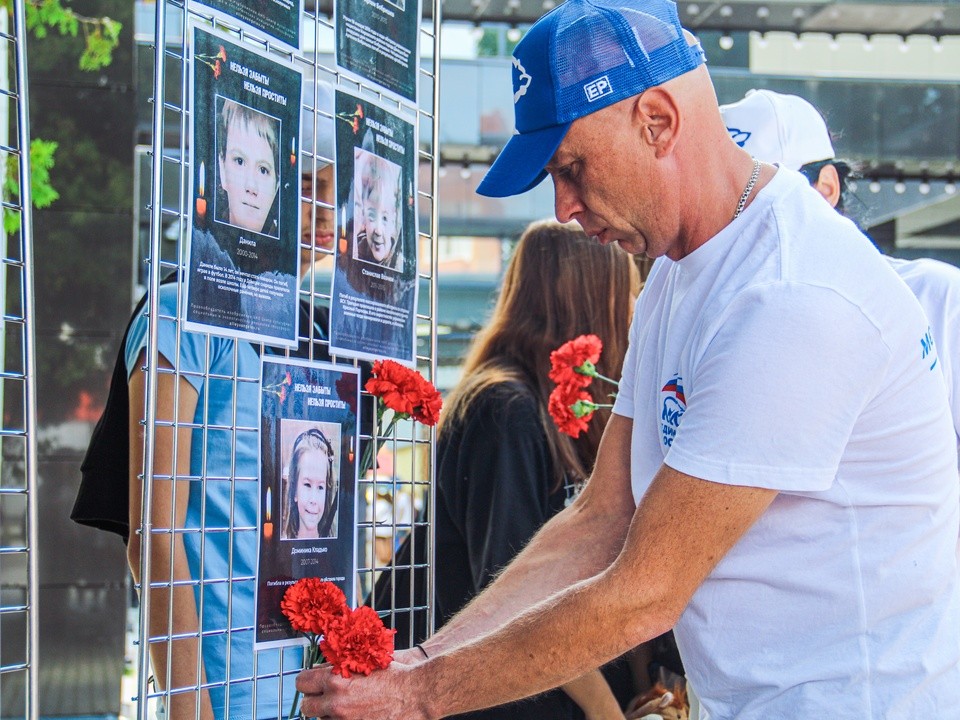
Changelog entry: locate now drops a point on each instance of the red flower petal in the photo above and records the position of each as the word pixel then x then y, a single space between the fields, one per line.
pixel 358 643
pixel 312 605
pixel 559 405
pixel 571 355
pixel 405 391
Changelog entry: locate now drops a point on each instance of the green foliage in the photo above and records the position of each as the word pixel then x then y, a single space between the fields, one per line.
pixel 42 192
pixel 101 37
pixel 495 43
pixel 101 40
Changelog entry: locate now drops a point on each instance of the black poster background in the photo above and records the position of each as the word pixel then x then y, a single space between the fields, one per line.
pixel 280 19
pixel 321 395
pixel 243 283
pixel 373 307
pixel 378 41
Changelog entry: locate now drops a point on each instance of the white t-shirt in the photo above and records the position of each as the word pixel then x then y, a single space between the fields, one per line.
pixel 937 286
pixel 785 353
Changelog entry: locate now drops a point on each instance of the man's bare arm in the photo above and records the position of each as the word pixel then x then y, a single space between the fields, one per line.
pixel 679 532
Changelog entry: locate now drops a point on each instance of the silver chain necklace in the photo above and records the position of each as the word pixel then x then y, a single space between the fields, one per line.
pixel 754 176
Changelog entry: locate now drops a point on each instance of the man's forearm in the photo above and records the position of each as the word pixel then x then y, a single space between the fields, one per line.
pixel 527 656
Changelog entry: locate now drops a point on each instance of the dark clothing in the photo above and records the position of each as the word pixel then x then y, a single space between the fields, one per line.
pixel 493 492
pixel 494 474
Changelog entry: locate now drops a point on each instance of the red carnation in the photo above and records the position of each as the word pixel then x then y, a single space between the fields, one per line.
pixel 397 386
pixel 560 405
pixel 427 410
pixel 312 605
pixel 404 391
pixel 574 362
pixel 358 643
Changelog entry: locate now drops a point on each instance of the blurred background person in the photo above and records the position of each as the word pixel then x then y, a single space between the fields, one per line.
pixel 791 132
pixel 317 183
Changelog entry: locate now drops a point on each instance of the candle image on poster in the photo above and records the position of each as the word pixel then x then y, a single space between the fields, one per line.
pixel 279 19
pixel 308 441
pixel 378 41
pixel 374 296
pixel 245 214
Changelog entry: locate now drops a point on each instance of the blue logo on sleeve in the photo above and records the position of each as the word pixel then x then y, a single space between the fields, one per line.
pixel 674 405
pixel 927 347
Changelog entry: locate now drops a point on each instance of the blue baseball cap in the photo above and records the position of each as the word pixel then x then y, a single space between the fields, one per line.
pixel 580 57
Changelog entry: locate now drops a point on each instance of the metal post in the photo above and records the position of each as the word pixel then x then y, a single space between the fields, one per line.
pixel 29 395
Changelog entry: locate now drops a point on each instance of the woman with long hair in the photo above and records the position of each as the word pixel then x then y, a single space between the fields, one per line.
pixel 503 467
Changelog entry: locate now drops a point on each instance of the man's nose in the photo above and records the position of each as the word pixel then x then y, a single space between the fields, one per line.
pixel 566 203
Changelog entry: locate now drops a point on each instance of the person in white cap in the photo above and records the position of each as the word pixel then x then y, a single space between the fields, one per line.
pixel 778 482
pixel 791 132
pixel 316 185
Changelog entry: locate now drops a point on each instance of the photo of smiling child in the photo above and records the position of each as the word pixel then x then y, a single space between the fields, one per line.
pixel 377 203
pixel 310 481
pixel 374 292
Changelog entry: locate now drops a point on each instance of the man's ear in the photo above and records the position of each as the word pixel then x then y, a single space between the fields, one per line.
pixel 828 184
pixel 657 111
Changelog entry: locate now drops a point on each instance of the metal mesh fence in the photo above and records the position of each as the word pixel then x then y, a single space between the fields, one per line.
pixel 19 625
pixel 194 474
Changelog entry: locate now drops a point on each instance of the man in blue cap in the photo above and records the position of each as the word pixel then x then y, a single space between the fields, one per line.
pixel 778 480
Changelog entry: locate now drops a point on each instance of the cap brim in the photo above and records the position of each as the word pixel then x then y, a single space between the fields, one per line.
pixel 519 167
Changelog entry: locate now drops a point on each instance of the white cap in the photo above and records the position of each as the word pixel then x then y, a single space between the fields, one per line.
pixel 317 139
pixel 777 128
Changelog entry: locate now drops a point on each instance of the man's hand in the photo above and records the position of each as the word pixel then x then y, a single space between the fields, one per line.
pixel 389 694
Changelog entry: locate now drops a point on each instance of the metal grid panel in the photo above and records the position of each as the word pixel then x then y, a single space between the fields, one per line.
pixel 408 487
pixel 19 622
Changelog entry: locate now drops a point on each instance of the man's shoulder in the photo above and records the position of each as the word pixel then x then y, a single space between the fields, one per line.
pixel 927 272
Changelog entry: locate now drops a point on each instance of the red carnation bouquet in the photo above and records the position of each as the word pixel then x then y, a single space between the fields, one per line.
pixel 573 366
pixel 403 393
pixel 352 641
pixel 356 641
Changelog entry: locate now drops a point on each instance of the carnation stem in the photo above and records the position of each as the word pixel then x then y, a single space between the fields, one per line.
pixel 313 656
pixel 609 380
pixel 367 461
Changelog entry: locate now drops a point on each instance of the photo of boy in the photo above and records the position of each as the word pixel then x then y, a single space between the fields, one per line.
pixel 377 210
pixel 247 162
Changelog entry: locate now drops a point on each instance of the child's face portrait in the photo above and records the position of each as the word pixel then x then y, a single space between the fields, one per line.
pixel 311 494
pixel 380 224
pixel 248 175
pixel 377 221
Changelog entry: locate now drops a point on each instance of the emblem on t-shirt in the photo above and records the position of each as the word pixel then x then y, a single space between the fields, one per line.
pixel 674 405
pixel 928 348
